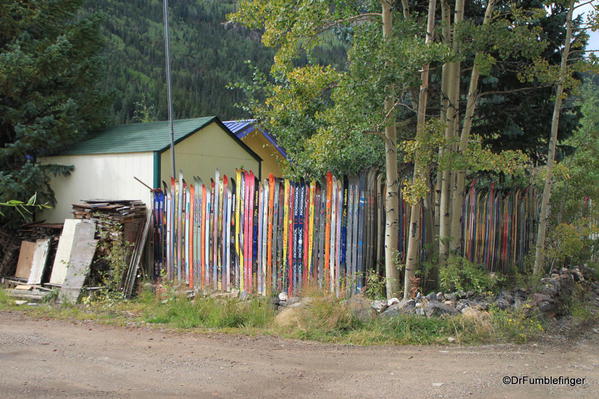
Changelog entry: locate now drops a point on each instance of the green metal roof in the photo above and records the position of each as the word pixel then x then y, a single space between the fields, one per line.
pixel 140 137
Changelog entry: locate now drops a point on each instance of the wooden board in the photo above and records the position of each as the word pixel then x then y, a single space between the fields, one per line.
pixel 74 229
pixel 40 257
pixel 80 259
pixel 25 259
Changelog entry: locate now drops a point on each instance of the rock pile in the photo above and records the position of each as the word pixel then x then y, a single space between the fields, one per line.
pixel 549 299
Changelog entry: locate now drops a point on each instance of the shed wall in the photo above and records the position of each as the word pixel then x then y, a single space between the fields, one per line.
pixel 202 153
pixel 271 158
pixel 99 176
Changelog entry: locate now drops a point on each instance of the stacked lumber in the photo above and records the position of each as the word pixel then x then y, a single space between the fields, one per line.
pixel 35 231
pixel 120 211
pixel 126 216
pixel 15 247
pixel 117 220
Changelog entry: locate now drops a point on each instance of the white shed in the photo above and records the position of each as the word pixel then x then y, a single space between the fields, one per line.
pixel 106 164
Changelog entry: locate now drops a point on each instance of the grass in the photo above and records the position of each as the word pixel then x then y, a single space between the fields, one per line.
pixel 329 320
pixel 581 309
pixel 211 313
pixel 324 319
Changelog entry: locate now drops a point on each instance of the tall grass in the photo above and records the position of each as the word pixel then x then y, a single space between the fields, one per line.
pixel 4 299
pixel 181 312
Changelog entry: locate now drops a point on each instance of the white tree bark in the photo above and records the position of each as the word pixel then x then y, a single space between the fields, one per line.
pixel 460 175
pixel 559 92
pixel 453 106
pixel 392 179
pixel 420 164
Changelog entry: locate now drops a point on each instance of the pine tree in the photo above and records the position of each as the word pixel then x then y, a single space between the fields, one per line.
pixel 49 69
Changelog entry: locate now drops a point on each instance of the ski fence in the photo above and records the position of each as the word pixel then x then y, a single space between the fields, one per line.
pixel 274 235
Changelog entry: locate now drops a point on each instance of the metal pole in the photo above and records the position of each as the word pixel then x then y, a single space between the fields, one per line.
pixel 168 86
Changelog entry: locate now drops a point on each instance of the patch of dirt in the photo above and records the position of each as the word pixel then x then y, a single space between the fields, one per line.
pixel 56 359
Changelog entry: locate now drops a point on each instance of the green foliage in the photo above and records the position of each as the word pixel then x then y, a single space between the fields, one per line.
pixel 327 319
pixel 572 243
pixel 478 157
pixel 375 285
pixel 576 193
pixel 4 299
pixel 49 93
pixel 459 274
pixel 515 101
pixel 331 117
pixel 326 316
pixel 112 262
pixel 52 296
pixel 517 326
pixel 337 124
pixel 23 207
pixel 580 307
pixel 211 313
pixel 206 52
pixel 575 214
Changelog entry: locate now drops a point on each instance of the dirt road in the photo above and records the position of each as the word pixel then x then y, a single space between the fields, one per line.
pixel 55 359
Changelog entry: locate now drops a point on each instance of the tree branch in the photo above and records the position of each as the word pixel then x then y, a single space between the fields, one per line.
pixel 350 19
pixel 583 4
pixel 486 93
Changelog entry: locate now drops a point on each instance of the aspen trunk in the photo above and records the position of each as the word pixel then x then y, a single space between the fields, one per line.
pixel 540 244
pixel 453 106
pixel 460 175
pixel 420 165
pixel 439 179
pixel 392 179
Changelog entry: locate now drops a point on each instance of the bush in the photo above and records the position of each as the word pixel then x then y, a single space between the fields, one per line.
pixel 462 275
pixel 375 286
pixel 572 243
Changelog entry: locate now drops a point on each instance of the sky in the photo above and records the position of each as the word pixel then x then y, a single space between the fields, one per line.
pixel 594 36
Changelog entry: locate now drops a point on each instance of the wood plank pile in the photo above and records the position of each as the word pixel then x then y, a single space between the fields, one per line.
pixel 121 211
pixel 35 231
pixel 116 220
pixel 13 246
pixel 126 216
pixel 64 255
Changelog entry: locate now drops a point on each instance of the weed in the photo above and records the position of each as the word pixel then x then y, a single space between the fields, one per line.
pixel 375 285
pixel 580 306
pixel 4 299
pixel 52 296
pixel 517 326
pixel 114 252
pixel 462 275
pixel 180 312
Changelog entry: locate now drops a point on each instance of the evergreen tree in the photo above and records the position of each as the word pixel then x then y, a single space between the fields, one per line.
pixel 49 97
pixel 206 54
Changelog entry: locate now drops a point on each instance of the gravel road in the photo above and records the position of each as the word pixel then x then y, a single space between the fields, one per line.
pixel 55 359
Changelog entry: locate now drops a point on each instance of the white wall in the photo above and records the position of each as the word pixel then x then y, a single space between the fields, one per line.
pixel 202 153
pixel 99 176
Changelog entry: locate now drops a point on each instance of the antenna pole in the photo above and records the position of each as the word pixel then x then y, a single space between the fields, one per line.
pixel 168 85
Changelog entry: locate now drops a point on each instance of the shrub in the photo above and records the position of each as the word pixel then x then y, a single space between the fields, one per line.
pixel 572 242
pixel 462 275
pixel 375 285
